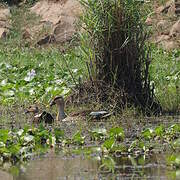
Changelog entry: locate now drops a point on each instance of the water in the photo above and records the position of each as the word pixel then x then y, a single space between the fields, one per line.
pixel 57 167
pixel 54 166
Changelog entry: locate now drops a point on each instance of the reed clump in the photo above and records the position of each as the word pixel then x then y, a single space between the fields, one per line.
pixel 114 43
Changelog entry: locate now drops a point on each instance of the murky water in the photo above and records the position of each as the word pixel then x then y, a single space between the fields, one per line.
pixel 80 167
pixel 56 167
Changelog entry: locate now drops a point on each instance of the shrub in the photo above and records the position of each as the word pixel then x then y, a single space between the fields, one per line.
pixel 114 43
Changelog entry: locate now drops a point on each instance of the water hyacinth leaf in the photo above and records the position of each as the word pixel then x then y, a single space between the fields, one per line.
pixel 9 93
pixel 2 145
pixel 4 82
pixel 98 133
pixel 174 128
pixel 14 171
pixel 108 165
pixel 78 138
pixel 20 132
pixel 101 131
pixel 117 132
pixel 4 135
pixel 177 161
pixel 28 138
pixel 141 145
pixel 147 133
pixel 14 149
pixel 159 130
pixel 96 149
pixel 30 75
pixel 176 143
pixel 141 160
pixel 59 134
pixel 109 143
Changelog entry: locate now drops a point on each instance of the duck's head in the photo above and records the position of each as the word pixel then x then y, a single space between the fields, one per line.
pixel 58 100
pixel 32 109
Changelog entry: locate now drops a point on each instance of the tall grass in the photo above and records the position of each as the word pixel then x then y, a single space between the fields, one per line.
pixel 118 56
pixel 165 74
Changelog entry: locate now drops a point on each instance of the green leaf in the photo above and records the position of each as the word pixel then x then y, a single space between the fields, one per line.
pixel 108 165
pixel 159 130
pixel 4 135
pixel 109 143
pixel 117 132
pixel 147 133
pixel 78 138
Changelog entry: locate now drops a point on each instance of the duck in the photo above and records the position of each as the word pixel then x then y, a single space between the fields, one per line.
pixel 40 117
pixel 60 103
pixel 62 116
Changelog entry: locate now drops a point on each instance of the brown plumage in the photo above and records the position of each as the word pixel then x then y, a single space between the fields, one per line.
pixel 40 117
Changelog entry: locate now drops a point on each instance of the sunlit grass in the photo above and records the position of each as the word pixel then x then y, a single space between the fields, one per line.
pixel 165 73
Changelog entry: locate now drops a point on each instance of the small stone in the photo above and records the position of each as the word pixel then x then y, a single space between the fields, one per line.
pixel 149 21
pixel 3 32
pixel 175 29
pixel 162 38
pixel 169 45
pixel 164 8
pixel 162 24
pixel 26 34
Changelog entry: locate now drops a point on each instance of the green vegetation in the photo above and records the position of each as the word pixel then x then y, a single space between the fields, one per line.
pixel 50 72
pixel 18 145
pixel 165 74
pixel 31 75
pixel 119 54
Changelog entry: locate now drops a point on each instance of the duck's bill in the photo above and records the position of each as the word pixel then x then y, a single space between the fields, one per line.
pixel 52 103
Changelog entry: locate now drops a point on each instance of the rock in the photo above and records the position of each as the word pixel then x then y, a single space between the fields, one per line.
pixel 4 14
pixel 171 7
pixel 164 8
pixel 64 31
pixel 26 34
pixel 175 29
pixel 3 32
pixel 169 45
pixel 4 25
pixel 149 21
pixel 61 17
pixel 162 24
pixel 162 38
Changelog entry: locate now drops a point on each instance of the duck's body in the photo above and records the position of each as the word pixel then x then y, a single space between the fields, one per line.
pixel 44 117
pixel 61 115
pixel 40 117
pixel 59 101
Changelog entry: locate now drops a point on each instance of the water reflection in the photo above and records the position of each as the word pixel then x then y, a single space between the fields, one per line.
pixel 54 167
pixel 5 176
